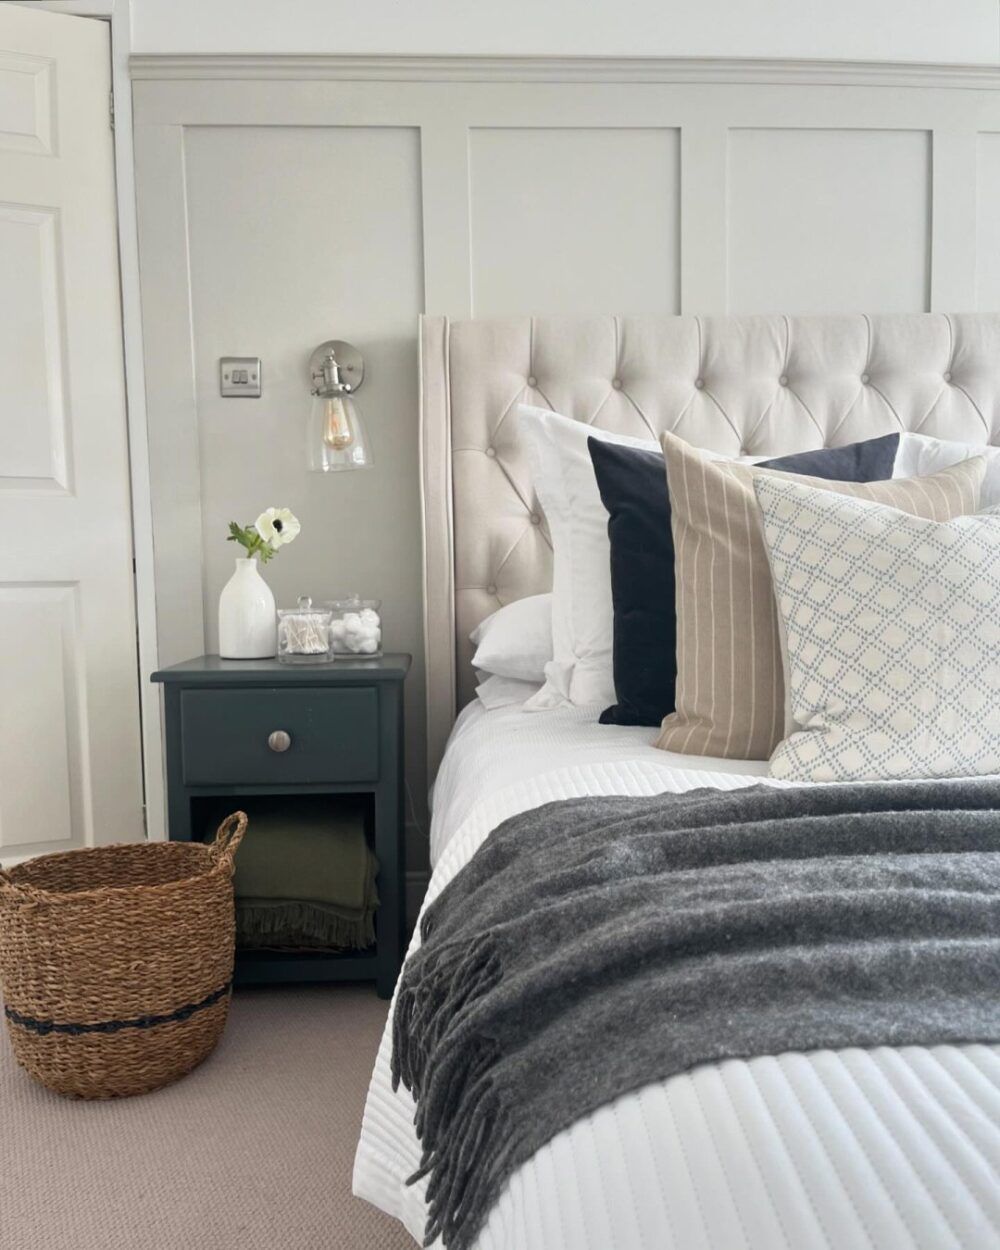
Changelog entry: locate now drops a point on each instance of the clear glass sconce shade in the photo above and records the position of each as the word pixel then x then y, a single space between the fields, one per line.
pixel 337 436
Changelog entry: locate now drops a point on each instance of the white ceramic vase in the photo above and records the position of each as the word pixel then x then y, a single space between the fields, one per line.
pixel 247 620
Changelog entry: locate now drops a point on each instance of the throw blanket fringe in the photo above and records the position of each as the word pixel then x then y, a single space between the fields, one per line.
pixel 595 945
pixel 288 923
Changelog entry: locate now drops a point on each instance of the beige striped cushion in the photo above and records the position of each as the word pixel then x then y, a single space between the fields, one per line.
pixel 730 690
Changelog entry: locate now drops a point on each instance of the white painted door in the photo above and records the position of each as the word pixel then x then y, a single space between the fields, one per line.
pixel 70 772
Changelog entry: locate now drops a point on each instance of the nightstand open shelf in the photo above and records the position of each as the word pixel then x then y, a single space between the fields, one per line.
pixel 344 723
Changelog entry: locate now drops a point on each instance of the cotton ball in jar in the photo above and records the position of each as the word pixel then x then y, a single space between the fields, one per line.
pixel 354 632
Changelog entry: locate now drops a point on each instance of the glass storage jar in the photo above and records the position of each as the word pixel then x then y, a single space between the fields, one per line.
pixel 356 628
pixel 304 634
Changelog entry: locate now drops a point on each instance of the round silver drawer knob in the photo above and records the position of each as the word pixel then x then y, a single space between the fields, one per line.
pixel 279 740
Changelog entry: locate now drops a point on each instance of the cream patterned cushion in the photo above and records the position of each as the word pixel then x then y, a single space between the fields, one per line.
pixel 891 629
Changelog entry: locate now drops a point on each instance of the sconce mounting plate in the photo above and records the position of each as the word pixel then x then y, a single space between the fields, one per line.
pixel 352 365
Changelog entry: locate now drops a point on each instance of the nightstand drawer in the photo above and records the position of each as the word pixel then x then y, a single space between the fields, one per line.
pixel 331 735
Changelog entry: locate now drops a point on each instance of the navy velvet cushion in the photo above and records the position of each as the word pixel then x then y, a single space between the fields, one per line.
pixel 633 488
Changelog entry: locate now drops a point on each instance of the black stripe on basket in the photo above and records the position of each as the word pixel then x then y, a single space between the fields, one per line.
pixel 43 1027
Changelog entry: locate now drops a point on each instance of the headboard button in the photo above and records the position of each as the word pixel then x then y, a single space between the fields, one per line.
pixel 532 380
pixel 700 383
pixel 783 380
pixel 491 452
pixel 535 519
pixel 947 375
pixel 616 383
pixel 491 589
pixel 865 379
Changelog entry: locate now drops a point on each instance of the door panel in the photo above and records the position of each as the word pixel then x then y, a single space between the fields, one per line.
pixel 26 93
pixel 70 769
pixel 33 417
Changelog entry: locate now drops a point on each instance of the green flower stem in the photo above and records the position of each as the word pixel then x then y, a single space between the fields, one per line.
pixel 247 537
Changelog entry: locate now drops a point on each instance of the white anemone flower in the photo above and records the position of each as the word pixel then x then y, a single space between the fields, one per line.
pixel 277 527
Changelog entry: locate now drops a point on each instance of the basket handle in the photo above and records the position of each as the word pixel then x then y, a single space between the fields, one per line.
pixel 229 835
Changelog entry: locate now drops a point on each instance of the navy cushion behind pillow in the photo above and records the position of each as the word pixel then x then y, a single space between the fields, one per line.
pixel 633 487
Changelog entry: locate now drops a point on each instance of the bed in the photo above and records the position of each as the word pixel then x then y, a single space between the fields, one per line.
pixel 890 1147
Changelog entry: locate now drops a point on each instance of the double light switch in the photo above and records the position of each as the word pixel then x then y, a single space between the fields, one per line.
pixel 239 376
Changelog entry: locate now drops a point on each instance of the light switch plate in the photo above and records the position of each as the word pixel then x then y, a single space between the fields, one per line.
pixel 239 376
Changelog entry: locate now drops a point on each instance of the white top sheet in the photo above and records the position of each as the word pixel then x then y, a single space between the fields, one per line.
pixel 845 1150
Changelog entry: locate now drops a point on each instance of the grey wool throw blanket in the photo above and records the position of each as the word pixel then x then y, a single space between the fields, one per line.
pixel 595 945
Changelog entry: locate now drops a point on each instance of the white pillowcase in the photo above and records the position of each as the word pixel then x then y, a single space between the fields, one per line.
pixel 891 629
pixel 497 692
pixel 919 455
pixel 580 670
pixel 516 640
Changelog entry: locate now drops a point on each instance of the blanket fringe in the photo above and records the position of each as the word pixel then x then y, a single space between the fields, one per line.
pixel 460 1179
pixel 301 923
pixel 433 1003
pixel 433 994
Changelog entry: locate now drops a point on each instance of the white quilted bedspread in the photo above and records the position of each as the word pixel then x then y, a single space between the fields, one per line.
pixel 893 1149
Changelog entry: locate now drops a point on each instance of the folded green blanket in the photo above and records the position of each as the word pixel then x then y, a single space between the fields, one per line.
pixel 305 876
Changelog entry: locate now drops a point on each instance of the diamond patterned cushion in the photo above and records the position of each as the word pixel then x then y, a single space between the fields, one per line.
pixel 891 630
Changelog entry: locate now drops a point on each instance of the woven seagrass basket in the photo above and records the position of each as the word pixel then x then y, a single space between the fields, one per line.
pixel 116 962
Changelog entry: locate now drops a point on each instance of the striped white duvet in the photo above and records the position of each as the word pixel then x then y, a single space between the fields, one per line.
pixel 887 1148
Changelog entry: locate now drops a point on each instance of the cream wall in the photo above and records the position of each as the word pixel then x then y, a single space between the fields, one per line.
pixel 890 30
pixel 279 206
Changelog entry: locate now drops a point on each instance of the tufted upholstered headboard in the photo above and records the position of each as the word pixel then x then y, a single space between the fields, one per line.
pixel 741 385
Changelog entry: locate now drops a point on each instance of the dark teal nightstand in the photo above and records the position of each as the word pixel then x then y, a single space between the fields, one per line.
pixel 246 728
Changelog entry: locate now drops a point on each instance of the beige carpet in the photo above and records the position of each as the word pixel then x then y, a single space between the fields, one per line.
pixel 252 1151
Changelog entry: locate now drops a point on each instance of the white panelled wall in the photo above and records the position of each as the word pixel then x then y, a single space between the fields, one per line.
pixel 286 201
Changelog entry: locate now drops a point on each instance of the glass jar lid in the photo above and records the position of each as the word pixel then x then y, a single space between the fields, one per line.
pixel 305 608
pixel 352 603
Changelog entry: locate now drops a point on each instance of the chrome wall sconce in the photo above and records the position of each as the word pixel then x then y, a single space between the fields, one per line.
pixel 337 436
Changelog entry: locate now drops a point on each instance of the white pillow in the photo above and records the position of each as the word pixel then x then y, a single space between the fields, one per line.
pixel 497 692
pixel 891 631
pixel 516 641
pixel 580 669
pixel 919 455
